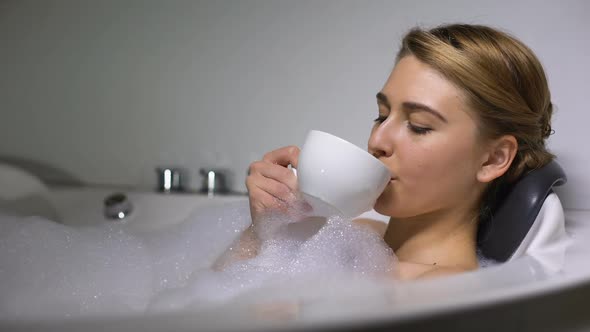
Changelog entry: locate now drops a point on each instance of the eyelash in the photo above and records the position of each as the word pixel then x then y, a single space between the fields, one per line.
pixel 419 130
pixel 415 129
pixel 380 119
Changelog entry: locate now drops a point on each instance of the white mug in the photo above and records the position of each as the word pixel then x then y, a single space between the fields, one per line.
pixel 340 173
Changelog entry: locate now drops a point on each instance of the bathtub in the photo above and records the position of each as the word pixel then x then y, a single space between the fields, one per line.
pixel 524 293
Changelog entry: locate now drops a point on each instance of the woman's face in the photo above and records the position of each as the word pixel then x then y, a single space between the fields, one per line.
pixel 428 138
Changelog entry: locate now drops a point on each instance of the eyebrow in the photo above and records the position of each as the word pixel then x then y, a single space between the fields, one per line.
pixel 410 106
pixel 382 99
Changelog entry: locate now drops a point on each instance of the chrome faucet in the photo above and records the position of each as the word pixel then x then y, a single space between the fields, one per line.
pixel 171 179
pixel 214 181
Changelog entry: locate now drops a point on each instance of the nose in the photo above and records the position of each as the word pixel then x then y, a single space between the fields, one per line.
pixel 381 142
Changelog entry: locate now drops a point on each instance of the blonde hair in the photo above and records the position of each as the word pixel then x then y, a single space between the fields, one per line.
pixel 503 80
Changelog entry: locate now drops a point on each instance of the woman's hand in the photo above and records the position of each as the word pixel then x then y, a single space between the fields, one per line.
pixel 272 187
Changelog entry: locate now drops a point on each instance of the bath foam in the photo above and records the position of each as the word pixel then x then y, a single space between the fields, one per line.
pixel 48 269
pixel 485 261
pixel 53 270
pixel 295 251
pixel 178 251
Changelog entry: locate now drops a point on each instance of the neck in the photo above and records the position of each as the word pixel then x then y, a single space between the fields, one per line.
pixel 442 238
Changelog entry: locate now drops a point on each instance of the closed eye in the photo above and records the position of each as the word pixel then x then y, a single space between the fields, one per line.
pixel 418 130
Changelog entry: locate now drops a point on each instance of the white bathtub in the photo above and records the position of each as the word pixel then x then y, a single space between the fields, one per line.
pixel 360 305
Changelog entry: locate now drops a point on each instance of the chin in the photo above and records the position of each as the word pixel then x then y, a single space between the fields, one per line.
pixel 387 206
pixel 384 203
pixel 382 207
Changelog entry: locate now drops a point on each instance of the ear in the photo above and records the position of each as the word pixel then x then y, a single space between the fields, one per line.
pixel 498 158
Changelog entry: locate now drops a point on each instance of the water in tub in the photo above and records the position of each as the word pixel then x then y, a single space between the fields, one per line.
pixel 53 270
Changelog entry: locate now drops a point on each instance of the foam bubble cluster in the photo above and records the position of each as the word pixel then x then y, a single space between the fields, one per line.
pixel 485 261
pixel 49 269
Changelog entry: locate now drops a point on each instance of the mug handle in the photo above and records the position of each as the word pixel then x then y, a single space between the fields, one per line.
pixel 292 169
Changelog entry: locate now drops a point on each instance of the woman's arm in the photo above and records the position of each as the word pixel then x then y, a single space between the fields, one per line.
pixel 245 247
pixel 272 188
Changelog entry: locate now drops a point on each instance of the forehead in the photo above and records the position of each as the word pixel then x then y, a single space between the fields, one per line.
pixel 413 80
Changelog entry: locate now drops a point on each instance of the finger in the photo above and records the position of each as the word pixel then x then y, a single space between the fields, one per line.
pixel 275 172
pixel 272 187
pixel 286 199
pixel 265 205
pixel 283 156
pixel 262 202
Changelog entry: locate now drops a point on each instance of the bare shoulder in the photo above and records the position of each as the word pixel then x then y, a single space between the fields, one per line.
pixel 443 271
pixel 375 225
pixel 414 271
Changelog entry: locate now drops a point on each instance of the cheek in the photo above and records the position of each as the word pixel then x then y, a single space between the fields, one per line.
pixel 428 180
pixel 423 165
pixel 438 169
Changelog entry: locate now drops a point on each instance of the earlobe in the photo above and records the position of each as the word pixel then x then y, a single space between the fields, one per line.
pixel 498 158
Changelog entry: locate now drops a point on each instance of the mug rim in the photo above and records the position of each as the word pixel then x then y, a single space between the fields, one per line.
pixel 382 165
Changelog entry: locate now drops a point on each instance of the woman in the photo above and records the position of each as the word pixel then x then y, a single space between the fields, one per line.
pixel 465 110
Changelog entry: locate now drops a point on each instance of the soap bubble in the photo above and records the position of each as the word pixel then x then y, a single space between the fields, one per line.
pixel 53 270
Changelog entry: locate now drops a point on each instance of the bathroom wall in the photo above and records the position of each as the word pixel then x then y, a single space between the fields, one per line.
pixel 108 90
